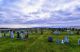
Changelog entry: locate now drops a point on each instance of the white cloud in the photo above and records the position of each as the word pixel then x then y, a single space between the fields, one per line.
pixel 22 11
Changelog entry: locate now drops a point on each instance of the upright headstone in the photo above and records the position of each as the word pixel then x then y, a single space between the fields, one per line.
pixel 50 39
pixel 62 41
pixel 26 35
pixel 22 35
pixel 72 32
pixel 12 34
pixel 0 35
pixel 78 32
pixel 58 41
pixel 66 39
pixel 79 42
pixel 18 35
pixel 4 34
pixel 69 32
pixel 56 32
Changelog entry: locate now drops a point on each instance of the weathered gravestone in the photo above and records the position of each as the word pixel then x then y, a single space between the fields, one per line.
pixel 0 35
pixel 79 42
pixel 56 32
pixel 58 41
pixel 4 34
pixel 66 39
pixel 11 34
pixel 18 35
pixel 78 32
pixel 22 35
pixel 50 39
pixel 62 41
pixel 26 35
pixel 69 32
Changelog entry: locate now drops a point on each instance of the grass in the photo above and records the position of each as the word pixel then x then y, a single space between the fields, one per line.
pixel 39 43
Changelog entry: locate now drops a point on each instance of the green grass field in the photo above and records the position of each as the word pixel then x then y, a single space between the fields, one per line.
pixel 39 43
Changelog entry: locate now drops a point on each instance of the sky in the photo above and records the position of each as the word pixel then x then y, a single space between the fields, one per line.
pixel 40 12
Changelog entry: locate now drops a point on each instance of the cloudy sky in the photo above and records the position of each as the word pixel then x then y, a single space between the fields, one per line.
pixel 49 12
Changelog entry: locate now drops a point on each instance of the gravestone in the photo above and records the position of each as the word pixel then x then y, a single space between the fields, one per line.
pixel 62 41
pixel 50 39
pixel 78 32
pixel 18 35
pixel 4 34
pixel 22 35
pixel 66 39
pixel 12 34
pixel 0 35
pixel 79 42
pixel 56 32
pixel 72 33
pixel 26 36
pixel 69 32
pixel 58 41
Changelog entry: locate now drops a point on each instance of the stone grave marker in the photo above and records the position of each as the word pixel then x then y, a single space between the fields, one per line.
pixel 0 35
pixel 66 39
pixel 12 34
pixel 62 41
pixel 50 39
pixel 18 35
pixel 56 32
pixel 78 41
pixel 58 41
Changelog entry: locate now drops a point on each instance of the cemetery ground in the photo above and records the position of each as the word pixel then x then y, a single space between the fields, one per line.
pixel 39 43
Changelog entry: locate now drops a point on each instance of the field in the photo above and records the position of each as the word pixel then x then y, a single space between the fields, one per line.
pixel 39 43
